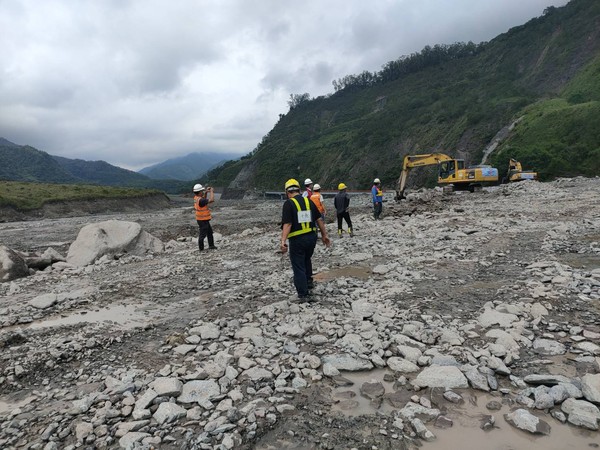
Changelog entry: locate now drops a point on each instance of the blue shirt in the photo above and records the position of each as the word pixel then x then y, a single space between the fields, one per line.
pixel 377 194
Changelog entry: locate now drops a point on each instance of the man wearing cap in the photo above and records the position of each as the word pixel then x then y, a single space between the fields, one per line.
pixel 203 215
pixel 377 195
pixel 307 188
pixel 342 205
pixel 298 220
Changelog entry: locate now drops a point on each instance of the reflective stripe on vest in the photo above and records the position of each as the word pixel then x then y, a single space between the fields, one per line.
pixel 306 227
pixel 202 212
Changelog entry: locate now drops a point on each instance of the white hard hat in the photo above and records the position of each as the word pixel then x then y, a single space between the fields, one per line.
pixel 198 188
pixel 307 182
pixel 316 187
pixel 376 180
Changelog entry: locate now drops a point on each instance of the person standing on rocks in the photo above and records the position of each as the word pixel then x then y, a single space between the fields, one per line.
pixel 342 207
pixel 317 199
pixel 298 220
pixel 203 216
pixel 308 192
pixel 377 195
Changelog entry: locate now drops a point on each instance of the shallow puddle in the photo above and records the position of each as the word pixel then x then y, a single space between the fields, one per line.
pixel 123 316
pixel 467 417
pixel 581 261
pixel 350 402
pixel 7 404
pixel 466 431
pixel 561 365
pixel 359 272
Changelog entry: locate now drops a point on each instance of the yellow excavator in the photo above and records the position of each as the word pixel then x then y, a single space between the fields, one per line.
pixel 516 172
pixel 451 172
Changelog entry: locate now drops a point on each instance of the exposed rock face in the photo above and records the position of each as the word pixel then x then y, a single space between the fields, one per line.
pixel 111 238
pixel 12 266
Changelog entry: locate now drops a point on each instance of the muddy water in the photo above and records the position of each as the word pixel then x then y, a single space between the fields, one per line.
pixel 349 401
pixel 465 432
pixel 121 316
pixel 578 261
pixel 8 404
pixel 360 272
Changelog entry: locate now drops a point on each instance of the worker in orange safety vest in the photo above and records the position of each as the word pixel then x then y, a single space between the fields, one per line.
pixel 317 199
pixel 203 216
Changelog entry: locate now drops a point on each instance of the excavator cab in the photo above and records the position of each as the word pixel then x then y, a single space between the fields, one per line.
pixel 448 169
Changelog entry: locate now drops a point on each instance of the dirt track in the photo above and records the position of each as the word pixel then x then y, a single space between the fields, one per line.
pixel 504 284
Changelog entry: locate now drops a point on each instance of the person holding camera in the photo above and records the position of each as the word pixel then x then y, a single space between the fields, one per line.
pixel 203 216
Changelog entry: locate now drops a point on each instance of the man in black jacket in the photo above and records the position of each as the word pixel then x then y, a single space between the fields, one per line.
pixel 342 204
pixel 298 219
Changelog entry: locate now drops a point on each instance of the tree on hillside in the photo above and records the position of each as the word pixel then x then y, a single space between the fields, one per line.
pixel 297 99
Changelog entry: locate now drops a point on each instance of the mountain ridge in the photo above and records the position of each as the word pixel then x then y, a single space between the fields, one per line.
pixel 447 98
pixel 26 163
pixel 188 167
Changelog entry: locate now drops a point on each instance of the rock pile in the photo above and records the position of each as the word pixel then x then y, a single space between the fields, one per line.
pixel 448 307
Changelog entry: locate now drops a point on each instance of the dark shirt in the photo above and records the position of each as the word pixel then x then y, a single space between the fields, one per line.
pixel 290 212
pixel 341 202
pixel 203 202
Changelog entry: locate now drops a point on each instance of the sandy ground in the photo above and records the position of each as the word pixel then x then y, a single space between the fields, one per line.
pixel 419 286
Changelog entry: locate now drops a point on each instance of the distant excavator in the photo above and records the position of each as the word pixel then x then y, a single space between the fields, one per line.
pixel 451 173
pixel 516 172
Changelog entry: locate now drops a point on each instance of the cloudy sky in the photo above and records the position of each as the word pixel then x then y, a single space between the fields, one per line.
pixel 135 82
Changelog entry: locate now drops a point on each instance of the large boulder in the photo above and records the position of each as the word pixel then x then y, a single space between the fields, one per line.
pixel 111 238
pixel 12 266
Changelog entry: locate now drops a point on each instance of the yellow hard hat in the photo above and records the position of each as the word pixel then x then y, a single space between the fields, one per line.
pixel 292 184
pixel 341 186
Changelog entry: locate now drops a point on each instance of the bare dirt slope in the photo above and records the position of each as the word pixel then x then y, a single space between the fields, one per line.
pixel 439 326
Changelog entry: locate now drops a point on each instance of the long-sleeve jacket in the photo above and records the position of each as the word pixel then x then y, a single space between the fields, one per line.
pixel 341 202
pixel 377 194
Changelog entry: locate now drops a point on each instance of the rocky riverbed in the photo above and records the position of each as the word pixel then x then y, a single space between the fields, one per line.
pixel 462 320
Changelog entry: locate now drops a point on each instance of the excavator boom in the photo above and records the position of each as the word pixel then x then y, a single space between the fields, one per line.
pixel 411 161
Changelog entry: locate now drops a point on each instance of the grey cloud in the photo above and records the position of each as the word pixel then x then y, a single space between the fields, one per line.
pixel 130 81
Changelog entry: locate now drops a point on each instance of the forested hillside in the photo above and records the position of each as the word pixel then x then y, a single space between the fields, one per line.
pixel 533 92
pixel 25 163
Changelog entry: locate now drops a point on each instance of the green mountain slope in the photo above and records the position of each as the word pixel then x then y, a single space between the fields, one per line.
pixel 100 172
pixel 25 163
pixel 560 136
pixel 454 99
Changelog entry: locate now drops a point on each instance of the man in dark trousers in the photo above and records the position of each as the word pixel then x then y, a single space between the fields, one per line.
pixel 203 215
pixel 342 204
pixel 377 195
pixel 298 220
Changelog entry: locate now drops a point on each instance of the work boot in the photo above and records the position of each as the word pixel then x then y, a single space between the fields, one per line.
pixel 212 247
pixel 306 299
pixel 350 232
pixel 340 233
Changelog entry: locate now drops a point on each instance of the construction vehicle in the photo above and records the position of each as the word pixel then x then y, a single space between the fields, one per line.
pixel 516 172
pixel 452 173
